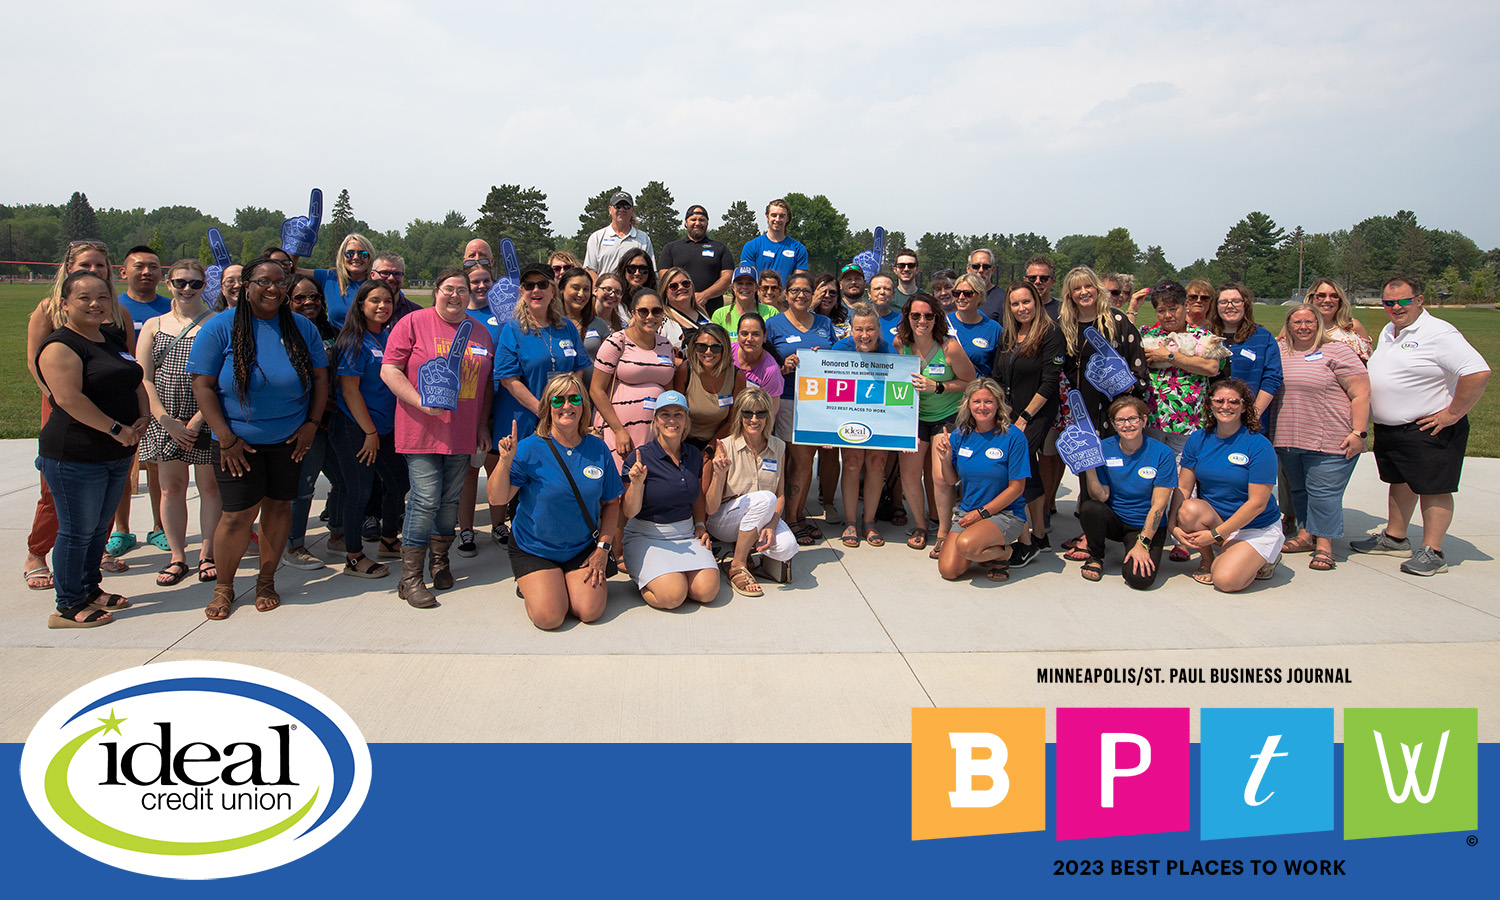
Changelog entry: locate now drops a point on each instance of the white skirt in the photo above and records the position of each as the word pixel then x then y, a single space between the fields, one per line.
pixel 1267 541
pixel 653 550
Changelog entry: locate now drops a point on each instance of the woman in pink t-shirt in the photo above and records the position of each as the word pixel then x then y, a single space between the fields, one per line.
pixel 437 443
pixel 750 355
pixel 633 366
pixel 1322 424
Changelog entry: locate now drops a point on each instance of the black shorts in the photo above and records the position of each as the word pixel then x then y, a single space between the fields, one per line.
pixel 523 563
pixel 272 476
pixel 1424 462
pixel 925 430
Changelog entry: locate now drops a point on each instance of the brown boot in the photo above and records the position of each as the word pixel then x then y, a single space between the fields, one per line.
pixel 442 578
pixel 412 589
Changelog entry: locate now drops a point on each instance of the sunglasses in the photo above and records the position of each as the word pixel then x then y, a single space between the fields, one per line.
pixel 1038 279
pixel 572 400
pixel 534 285
pixel 88 242
pixel 708 348
pixel 980 267
pixel 799 292
pixel 1399 301
pixel 755 414
pixel 1324 295
pixel 922 317
pixel 1227 401
pixel 356 254
pixel 1116 292
pixel 1204 297
pixel 192 283
pixel 637 269
pixel 306 298
pixel 965 294
pixel 679 285
pixel 471 263
pixel 905 266
pixel 649 312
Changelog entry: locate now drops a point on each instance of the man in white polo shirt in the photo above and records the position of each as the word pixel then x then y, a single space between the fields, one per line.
pixel 608 245
pixel 1424 379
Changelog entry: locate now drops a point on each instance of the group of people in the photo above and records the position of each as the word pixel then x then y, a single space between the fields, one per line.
pixel 633 409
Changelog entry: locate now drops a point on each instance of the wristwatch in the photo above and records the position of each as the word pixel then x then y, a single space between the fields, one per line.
pixel 1218 538
pixel 115 429
pixel 1362 434
pixel 606 546
pixel 1145 541
pixel 984 512
pixel 939 388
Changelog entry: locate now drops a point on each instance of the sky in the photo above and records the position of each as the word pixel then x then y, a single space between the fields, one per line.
pixel 1172 119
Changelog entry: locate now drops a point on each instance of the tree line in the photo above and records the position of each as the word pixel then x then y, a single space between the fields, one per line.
pixel 1270 259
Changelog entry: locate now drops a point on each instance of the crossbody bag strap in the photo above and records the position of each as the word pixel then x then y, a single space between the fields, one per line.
pixel 577 495
pixel 156 360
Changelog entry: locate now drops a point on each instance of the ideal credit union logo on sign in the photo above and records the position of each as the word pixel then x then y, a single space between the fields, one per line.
pixel 1127 771
pixel 195 769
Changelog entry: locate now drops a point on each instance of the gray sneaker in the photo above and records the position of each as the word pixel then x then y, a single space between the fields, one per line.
pixel 299 558
pixel 1426 561
pixel 1381 544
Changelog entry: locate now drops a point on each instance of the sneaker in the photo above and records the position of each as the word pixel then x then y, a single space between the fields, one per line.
pixel 501 534
pixel 336 545
pixel 466 545
pixel 299 558
pixel 1021 554
pixel 326 514
pixel 371 530
pixel 832 515
pixel 1042 544
pixel 1382 544
pixel 1426 561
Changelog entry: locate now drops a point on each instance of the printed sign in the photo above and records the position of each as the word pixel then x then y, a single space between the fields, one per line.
pixel 1079 444
pixel 437 379
pixel 299 234
pixel 860 400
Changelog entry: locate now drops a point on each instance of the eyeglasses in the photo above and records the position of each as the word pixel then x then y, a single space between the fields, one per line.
pixel 649 312
pixel 1231 301
pixel 191 283
pixel 1399 301
pixel 471 263
pixel 356 254
pixel 799 292
pixel 447 291
pixel 679 285
pixel 922 317
pixel 1038 279
pixel 572 400
pixel 901 265
pixel 389 273
pixel 706 349
pixel 1324 295
pixel 534 285
pixel 306 298
pixel 965 294
pixel 1227 401
pixel 614 291
pixel 558 270
pixel 637 269
pixel 1128 421
pixel 770 288
pixel 755 413
pixel 1204 297
pixel 265 283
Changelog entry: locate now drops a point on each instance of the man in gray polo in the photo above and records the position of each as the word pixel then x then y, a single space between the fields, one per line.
pixel 608 245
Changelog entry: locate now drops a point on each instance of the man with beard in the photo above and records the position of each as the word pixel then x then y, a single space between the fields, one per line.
pixel 707 261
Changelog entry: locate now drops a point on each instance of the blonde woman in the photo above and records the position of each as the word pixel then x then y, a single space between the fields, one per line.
pixel 989 462
pixel 1337 313
pixel 684 313
pixel 351 267
pixel 710 380
pixel 746 492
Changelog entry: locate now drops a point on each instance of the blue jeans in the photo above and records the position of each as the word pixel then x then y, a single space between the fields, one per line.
pixel 1316 482
pixel 437 481
pixel 318 459
pixel 86 494
pixel 359 479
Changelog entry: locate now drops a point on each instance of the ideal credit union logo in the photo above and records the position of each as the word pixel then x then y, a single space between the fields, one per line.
pixel 1261 772
pixel 195 769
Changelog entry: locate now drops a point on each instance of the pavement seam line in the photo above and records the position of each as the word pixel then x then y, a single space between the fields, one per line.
pixel 899 652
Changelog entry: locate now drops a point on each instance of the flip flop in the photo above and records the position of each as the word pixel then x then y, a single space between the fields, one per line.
pixel 39 579
pixel 918 539
pixel 120 543
pixel 1204 575
pixel 94 619
pixel 172 573
pixel 1072 542
pixel 937 548
pixel 1077 554
pixel 113 566
pixel 1179 554
pixel 158 539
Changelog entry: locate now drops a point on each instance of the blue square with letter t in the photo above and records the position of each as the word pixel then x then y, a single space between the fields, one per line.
pixel 1265 772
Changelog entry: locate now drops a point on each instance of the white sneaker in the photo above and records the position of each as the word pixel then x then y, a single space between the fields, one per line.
pixel 299 558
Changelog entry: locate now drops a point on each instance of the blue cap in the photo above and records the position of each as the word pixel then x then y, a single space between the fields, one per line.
pixel 670 398
pixel 744 272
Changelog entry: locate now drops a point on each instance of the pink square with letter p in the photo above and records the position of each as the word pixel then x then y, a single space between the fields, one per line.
pixel 1122 771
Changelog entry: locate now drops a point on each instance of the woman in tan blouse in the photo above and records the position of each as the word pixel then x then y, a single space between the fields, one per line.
pixel 745 496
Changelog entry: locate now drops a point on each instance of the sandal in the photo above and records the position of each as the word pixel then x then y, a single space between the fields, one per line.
pixel 39 579
pixel 898 517
pixel 94 619
pixel 102 600
pixel 1268 571
pixel 873 538
pixel 851 535
pixel 390 548
pixel 998 572
pixel 373 570
pixel 1298 545
pixel 807 533
pixel 1093 570
pixel 119 543
pixel 1204 575
pixel 266 598
pixel 1072 542
pixel 918 539
pixel 172 573
pixel 937 548
pixel 223 601
pixel 158 539
pixel 207 571
pixel 744 583
pixel 1322 561
pixel 113 566
pixel 1078 554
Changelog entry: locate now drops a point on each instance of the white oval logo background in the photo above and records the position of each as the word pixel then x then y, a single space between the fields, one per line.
pixel 855 432
pixel 994 453
pixel 1146 472
pixel 593 473
pixel 1239 459
pixel 104 769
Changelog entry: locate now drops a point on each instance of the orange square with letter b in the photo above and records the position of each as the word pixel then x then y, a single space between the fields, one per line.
pixel 978 771
pixel 812 389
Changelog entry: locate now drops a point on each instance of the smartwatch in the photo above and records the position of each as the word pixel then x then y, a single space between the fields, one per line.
pixel 605 546
pixel 939 388
pixel 115 429
pixel 984 512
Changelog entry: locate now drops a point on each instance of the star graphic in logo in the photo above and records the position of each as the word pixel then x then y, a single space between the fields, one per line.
pixel 113 724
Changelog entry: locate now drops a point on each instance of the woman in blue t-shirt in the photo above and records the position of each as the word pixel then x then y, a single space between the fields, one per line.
pixel 1129 496
pixel 1254 355
pixel 1234 522
pixel 558 550
pixel 364 428
pixel 351 267
pixel 988 461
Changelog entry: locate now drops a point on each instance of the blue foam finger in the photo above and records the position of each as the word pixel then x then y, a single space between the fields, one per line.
pixel 438 379
pixel 217 248
pixel 212 282
pixel 1107 370
pixel 460 343
pixel 869 260
pixel 502 297
pixel 508 256
pixel 879 244
pixel 315 209
pixel 1078 445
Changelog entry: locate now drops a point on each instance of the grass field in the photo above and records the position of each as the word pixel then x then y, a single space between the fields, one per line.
pixel 20 403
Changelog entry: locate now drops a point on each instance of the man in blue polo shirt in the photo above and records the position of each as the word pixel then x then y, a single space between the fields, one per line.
pixel 774 250
pixel 608 245
pixel 141 272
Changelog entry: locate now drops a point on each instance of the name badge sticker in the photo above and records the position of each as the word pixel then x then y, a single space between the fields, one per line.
pixel 649 404
pixel 1314 357
pixel 770 253
pixel 937 370
pixel 477 350
pixel 127 357
pixel 609 241
pixel 569 351
pixel 965 451
pixel 725 401
pixel 794 339
pixel 709 252
pixel 768 465
pixel 591 333
pixel 664 359
pixel 1247 353
pixel 378 353
pixel 1115 463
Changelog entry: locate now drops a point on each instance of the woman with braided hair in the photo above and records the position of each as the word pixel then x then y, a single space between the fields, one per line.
pixel 260 375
